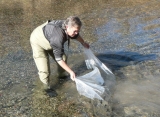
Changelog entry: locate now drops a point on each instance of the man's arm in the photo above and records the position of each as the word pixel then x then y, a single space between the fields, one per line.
pixel 80 39
pixel 67 68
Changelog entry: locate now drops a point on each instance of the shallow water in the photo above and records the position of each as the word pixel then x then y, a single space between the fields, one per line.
pixel 123 34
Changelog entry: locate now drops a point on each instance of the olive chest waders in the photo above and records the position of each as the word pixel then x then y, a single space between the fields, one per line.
pixel 41 50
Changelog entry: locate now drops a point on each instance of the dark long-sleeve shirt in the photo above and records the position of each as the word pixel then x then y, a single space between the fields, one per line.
pixel 56 35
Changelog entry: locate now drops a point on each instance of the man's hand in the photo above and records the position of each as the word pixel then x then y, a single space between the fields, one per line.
pixel 86 45
pixel 72 75
pixel 67 68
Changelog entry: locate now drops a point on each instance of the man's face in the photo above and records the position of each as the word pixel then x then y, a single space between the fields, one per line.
pixel 72 31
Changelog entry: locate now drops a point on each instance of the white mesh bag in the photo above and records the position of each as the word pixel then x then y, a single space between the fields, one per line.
pixel 91 84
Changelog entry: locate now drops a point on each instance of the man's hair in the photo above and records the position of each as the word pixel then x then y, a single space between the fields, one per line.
pixel 73 21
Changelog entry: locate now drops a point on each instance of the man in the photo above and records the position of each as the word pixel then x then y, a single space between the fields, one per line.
pixel 48 39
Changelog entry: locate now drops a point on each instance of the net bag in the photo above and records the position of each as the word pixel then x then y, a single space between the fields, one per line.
pixel 92 84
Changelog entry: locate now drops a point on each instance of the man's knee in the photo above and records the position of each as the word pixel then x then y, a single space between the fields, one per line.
pixel 44 77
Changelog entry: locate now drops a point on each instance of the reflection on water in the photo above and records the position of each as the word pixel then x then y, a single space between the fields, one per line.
pixel 123 34
pixel 117 60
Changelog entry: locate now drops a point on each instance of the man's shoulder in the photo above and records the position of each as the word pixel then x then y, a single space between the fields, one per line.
pixel 56 22
pixel 54 25
pixel 54 28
